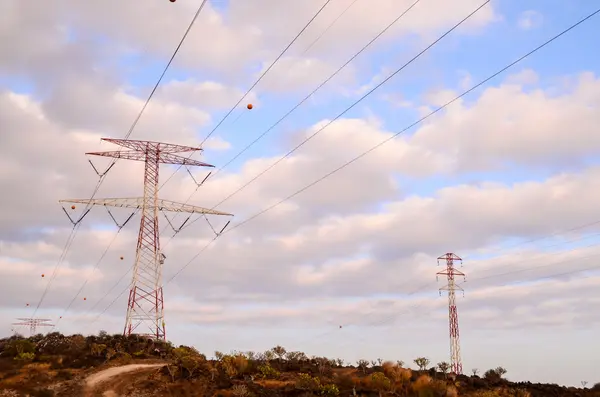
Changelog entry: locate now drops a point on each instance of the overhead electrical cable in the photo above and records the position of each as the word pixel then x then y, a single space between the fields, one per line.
pixel 324 32
pixel 102 176
pixel 546 277
pixel 264 73
pixel 416 291
pixel 544 44
pixel 227 115
pixel 437 110
pixel 282 118
pixel 289 153
pixel 502 70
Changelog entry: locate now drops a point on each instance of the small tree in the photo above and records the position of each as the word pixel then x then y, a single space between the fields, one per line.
pixel 501 371
pixel 475 371
pixel 380 382
pixel 400 363
pixel 443 367
pixel 584 383
pixel 279 351
pixel 362 365
pixel 422 362
pixel 269 355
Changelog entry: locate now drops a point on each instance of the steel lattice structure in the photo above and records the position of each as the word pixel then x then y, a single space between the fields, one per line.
pixel 450 272
pixel 146 304
pixel 33 323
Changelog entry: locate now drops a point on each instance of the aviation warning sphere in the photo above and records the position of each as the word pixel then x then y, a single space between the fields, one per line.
pixel 121 258
pixel 42 275
pixel 249 106
pixel 72 207
pixel 172 1
pixel 84 299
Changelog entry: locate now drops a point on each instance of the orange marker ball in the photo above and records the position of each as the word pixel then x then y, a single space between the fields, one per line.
pixel 249 106
pixel 72 207
pixel 84 299
pixel 121 258
pixel 42 275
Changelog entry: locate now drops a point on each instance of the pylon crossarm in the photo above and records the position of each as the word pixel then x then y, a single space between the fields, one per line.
pixel 144 145
pixel 137 203
pixel 163 158
pixel 455 287
pixel 34 319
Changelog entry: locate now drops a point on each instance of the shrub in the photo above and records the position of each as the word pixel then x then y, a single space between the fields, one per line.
pixel 268 372
pixel 26 357
pixel 307 382
pixel 329 390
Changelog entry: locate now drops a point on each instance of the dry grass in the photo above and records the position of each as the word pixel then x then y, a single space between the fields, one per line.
pixel 274 384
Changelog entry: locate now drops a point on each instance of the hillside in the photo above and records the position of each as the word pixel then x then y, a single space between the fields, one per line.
pixel 58 365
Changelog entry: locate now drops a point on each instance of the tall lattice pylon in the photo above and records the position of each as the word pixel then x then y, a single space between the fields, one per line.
pixel 450 272
pixel 146 306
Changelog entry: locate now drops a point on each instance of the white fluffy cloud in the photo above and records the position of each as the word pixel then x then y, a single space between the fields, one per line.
pixel 530 20
pixel 357 249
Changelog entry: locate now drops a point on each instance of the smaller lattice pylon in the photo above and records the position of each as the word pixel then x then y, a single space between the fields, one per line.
pixel 33 323
pixel 451 272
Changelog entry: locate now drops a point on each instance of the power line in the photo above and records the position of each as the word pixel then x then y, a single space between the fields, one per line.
pixel 282 118
pixel 319 37
pixel 102 176
pixel 249 219
pixel 388 139
pixel 238 102
pixel 254 85
pixel 422 288
pixel 363 154
pixel 432 284
pixel 429 285
pixel 353 105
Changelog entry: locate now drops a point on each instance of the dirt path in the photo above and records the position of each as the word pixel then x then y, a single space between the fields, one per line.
pixel 95 381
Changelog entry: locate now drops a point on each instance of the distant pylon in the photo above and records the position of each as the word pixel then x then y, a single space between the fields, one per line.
pixel 33 323
pixel 452 287
pixel 145 305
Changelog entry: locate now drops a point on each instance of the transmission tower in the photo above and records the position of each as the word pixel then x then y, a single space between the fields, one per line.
pixel 33 323
pixel 450 272
pixel 145 306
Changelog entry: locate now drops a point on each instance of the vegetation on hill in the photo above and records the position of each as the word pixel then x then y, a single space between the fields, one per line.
pixel 54 365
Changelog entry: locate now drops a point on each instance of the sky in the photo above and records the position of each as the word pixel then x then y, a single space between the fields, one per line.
pixel 505 177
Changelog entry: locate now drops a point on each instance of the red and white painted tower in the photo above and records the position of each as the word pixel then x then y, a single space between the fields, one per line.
pixel 450 272
pixel 145 307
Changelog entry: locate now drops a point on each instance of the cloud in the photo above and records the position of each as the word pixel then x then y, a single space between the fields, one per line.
pixel 511 125
pixel 530 20
pixel 356 249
